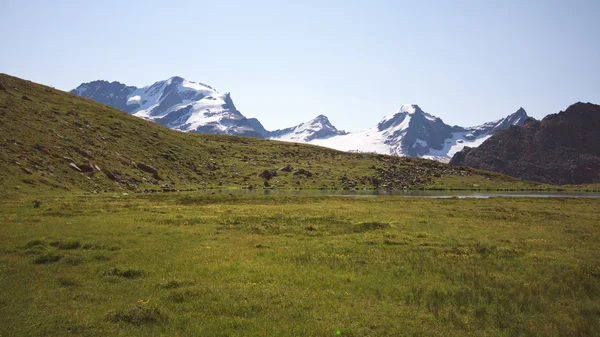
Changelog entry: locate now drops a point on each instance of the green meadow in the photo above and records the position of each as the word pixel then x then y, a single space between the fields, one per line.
pixel 202 264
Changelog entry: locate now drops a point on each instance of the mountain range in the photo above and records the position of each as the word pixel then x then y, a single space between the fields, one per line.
pixel 562 148
pixel 195 107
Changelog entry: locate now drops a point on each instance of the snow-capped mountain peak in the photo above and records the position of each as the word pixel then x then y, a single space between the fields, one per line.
pixel 413 132
pixel 176 102
pixel 408 108
pixel 405 110
pixel 317 128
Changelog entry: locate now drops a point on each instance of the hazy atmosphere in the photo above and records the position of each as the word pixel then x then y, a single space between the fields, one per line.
pixel 466 62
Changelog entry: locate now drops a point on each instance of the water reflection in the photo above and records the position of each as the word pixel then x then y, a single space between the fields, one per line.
pixel 403 193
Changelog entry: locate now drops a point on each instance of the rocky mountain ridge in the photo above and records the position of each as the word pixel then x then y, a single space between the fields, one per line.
pixel 562 148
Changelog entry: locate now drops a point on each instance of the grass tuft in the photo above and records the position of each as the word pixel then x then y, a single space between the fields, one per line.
pixel 371 226
pixel 66 282
pixel 47 258
pixel 69 244
pixel 139 315
pixel 172 284
pixel 182 296
pixel 36 243
pixel 127 273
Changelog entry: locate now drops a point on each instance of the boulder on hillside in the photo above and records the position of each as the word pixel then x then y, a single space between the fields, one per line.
pixel 113 175
pixel 286 168
pixel 303 172
pixel 146 168
pixel 86 168
pixel 268 174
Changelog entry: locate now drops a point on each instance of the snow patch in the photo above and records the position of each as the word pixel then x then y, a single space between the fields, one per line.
pixel 419 142
pixel 194 85
pixel 453 145
pixel 137 99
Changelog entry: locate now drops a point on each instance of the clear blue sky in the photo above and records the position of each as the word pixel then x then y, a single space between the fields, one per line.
pixel 467 62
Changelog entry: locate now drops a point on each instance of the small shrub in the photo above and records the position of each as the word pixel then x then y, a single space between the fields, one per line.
pixel 47 258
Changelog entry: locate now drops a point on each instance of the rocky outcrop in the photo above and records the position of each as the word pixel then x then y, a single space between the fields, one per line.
pixel 563 148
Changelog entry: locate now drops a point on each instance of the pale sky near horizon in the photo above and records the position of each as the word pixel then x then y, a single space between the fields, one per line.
pixel 284 62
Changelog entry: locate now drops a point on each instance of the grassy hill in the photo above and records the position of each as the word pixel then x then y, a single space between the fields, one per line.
pixel 55 141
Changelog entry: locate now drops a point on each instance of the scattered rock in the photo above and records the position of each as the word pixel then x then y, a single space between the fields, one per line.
pixel 26 170
pixel 36 204
pixel 75 167
pixel 286 168
pixel 146 168
pixel 112 175
pixel 303 172
pixel 26 98
pixel 86 168
pixel 268 174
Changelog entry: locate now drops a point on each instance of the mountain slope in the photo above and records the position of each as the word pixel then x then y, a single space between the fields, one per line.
pixel 563 148
pixel 175 103
pixel 56 141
